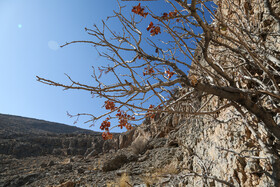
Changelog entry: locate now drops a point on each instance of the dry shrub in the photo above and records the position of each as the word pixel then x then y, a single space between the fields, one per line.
pixel 111 184
pixel 124 181
pixel 170 169
pixel 67 184
pixel 167 169
pixel 151 178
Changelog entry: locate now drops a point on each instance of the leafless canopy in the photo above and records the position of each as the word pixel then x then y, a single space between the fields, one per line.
pixel 231 47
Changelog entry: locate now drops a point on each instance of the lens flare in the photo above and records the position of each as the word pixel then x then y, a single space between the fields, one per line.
pixel 53 45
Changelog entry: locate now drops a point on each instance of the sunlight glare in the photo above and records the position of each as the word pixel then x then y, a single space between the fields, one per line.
pixel 53 45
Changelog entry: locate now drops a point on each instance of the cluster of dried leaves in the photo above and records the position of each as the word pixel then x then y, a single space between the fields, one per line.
pixel 123 120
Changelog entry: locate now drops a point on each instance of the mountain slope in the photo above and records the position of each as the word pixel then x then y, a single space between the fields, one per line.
pixel 10 124
pixel 24 137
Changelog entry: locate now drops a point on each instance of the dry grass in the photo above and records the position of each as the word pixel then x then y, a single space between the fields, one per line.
pixel 170 169
pixel 167 169
pixel 95 166
pixel 153 177
pixel 123 181
pixel 111 184
pixel 67 184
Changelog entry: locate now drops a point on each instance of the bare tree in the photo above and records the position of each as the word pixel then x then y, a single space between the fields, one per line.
pixel 227 49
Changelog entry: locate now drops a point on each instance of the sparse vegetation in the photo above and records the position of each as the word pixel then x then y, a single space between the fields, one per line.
pixel 123 181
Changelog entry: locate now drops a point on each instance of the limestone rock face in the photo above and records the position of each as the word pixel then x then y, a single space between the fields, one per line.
pixel 213 148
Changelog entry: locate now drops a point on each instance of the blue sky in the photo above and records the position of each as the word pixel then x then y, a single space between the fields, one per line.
pixel 30 32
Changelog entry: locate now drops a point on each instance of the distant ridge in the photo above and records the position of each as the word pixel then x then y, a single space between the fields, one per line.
pixel 23 125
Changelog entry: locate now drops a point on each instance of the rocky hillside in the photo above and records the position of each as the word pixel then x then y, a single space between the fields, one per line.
pixel 172 150
pixel 23 137
pixel 10 124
